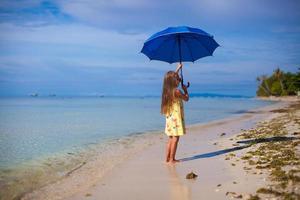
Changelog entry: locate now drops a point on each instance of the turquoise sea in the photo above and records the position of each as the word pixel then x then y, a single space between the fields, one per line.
pixel 33 127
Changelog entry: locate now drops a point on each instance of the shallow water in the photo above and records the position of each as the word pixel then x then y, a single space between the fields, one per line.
pixel 31 128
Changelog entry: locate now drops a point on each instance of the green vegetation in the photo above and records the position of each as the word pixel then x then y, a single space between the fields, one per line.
pixel 280 83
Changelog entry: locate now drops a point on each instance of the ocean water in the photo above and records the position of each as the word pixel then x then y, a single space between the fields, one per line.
pixel 33 127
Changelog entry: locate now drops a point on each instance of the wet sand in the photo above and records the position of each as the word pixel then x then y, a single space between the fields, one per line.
pixel 144 174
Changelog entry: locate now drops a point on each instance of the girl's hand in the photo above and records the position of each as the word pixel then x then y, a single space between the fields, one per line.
pixel 185 87
pixel 178 67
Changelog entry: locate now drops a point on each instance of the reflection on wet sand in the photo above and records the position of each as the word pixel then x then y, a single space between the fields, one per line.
pixel 178 190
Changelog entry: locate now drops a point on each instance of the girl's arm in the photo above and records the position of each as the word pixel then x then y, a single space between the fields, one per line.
pixel 178 93
pixel 184 96
pixel 178 67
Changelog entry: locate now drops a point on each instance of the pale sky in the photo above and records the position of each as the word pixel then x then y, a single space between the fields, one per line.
pixel 92 46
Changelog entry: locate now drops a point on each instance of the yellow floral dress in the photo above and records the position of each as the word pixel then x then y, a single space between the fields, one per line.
pixel 175 125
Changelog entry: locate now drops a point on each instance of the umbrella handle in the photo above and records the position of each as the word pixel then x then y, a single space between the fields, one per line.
pixel 188 83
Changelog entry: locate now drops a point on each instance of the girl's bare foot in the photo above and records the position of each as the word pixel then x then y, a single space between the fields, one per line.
pixel 174 161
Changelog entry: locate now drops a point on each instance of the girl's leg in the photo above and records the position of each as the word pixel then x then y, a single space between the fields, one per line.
pixel 168 149
pixel 175 140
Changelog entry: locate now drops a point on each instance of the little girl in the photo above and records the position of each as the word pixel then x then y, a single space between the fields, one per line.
pixel 172 108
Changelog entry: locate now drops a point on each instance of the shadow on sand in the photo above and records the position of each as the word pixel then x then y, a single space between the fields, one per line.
pixel 247 143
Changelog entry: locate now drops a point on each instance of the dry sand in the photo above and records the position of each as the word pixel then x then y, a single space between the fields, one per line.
pixel 203 150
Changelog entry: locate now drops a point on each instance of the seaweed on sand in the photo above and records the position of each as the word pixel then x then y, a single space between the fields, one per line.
pixel 276 152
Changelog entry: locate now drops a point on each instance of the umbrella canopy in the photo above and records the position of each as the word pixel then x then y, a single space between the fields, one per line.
pixel 178 44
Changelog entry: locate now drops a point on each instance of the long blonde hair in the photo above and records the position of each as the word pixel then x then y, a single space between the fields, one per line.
pixel 168 92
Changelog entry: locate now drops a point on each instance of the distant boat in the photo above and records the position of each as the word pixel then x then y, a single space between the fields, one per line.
pixel 99 95
pixel 34 94
pixel 52 95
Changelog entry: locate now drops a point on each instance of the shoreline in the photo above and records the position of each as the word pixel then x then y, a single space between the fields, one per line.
pixel 72 186
pixel 283 98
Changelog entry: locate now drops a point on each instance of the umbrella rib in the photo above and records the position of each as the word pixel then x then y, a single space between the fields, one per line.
pixel 187 44
pixel 172 54
pixel 201 44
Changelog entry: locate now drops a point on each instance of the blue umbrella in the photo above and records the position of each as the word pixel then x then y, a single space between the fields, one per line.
pixel 178 44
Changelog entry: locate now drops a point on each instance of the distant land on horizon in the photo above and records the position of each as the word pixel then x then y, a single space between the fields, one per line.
pixel 36 95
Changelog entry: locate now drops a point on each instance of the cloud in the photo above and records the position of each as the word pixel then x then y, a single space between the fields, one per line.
pixel 136 16
pixel 65 34
pixel 11 6
pixel 31 13
pixel 71 43
pixel 141 15
pixel 76 52
pixel 286 29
